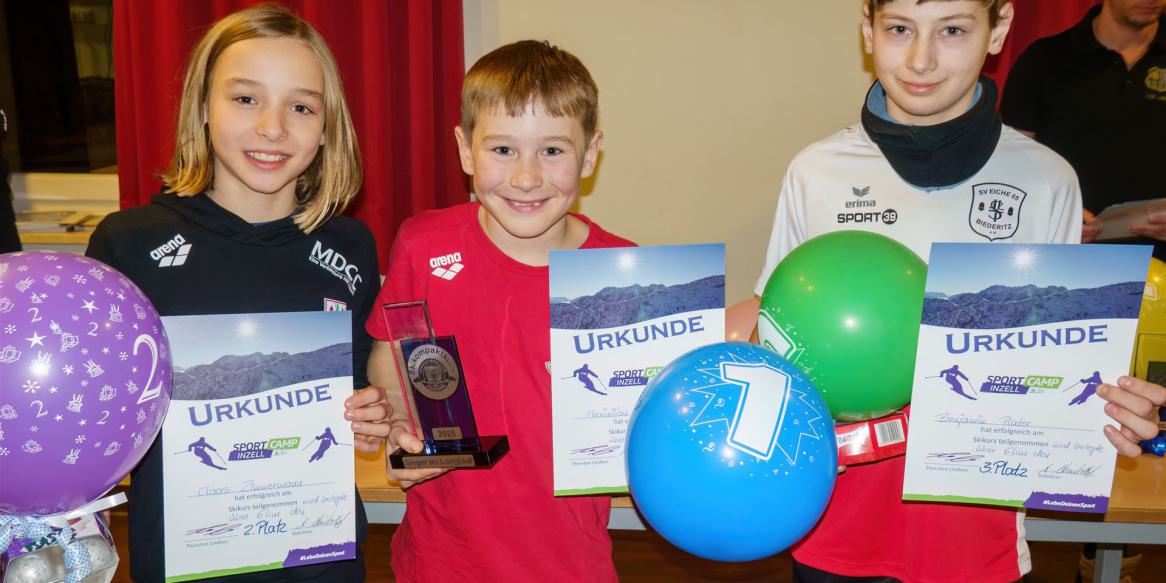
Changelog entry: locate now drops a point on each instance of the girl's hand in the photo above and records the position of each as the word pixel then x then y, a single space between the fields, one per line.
pixel 394 424
pixel 369 412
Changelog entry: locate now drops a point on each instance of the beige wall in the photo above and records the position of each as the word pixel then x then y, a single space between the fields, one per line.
pixel 703 104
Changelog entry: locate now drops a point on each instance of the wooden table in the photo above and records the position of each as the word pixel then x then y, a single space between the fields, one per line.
pixel 76 236
pixel 69 242
pixel 1139 493
pixel 384 501
pixel 1137 510
pixel 1136 515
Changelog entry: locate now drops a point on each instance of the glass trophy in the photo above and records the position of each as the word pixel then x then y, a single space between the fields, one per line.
pixel 433 383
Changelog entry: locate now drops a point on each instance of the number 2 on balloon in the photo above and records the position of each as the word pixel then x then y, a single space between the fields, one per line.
pixel 149 394
pixel 40 408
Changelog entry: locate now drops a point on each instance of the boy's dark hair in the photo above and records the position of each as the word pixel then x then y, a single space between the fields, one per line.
pixel 518 74
pixel 992 6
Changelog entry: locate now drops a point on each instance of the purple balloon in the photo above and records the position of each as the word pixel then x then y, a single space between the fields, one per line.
pixel 85 380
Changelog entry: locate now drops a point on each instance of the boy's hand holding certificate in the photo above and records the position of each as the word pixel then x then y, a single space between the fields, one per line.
pixel 1015 340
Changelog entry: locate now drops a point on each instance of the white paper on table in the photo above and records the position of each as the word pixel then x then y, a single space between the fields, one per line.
pixel 1117 219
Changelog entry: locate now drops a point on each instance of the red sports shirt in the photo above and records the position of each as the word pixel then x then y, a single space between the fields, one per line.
pixel 504 523
pixel 869 531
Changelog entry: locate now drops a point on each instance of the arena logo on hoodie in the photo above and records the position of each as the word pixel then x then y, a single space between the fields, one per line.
pixel 337 265
pixel 172 253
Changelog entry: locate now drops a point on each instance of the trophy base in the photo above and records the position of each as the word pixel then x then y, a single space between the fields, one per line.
pixel 493 447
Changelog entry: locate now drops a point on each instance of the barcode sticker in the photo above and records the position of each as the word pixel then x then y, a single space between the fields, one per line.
pixel 889 432
pixel 872 440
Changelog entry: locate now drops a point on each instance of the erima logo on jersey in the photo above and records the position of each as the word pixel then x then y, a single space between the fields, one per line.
pixel 861 202
pixel 172 253
pixel 887 217
pixel 446 266
pixel 337 265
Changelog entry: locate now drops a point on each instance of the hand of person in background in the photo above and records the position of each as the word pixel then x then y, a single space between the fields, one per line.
pixel 1154 227
pixel 1133 403
pixel 1090 227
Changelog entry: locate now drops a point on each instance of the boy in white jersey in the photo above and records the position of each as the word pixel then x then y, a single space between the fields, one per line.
pixel 931 161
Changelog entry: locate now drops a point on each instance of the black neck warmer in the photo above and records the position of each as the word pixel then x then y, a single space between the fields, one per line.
pixel 941 155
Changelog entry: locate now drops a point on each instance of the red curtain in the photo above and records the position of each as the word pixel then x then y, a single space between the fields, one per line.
pixel 402 65
pixel 1034 19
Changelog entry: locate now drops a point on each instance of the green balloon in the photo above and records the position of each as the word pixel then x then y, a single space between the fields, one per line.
pixel 845 308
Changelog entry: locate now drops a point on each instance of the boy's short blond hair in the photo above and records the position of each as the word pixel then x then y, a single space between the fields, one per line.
pixel 517 75
pixel 332 179
pixel 992 6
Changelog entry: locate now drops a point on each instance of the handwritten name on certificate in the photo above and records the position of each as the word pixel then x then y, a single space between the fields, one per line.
pixel 1014 341
pixel 618 316
pixel 258 465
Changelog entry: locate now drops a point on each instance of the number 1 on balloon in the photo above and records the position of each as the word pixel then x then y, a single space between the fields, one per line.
pixel 761 408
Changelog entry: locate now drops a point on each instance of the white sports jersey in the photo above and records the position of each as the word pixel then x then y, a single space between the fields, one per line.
pixel 1026 193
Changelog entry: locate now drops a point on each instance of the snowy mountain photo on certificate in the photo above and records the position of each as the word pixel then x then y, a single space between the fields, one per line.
pixel 605 288
pixel 232 355
pixel 979 285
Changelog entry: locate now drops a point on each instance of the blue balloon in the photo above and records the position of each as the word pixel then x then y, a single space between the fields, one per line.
pixel 731 453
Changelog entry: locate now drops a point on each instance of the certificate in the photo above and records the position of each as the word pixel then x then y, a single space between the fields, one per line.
pixel 258 460
pixel 618 316
pixel 1014 341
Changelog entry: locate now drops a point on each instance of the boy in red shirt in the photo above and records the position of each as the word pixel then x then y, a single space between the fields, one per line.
pixel 527 137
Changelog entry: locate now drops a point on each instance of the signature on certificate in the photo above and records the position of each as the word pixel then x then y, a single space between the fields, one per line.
pixel 955 457
pixel 1082 470
pixel 595 450
pixel 333 520
pixel 214 529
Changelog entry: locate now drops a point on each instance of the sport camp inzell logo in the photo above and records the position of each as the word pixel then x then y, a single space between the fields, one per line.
pixel 632 377
pixel 1012 384
pixel 960 384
